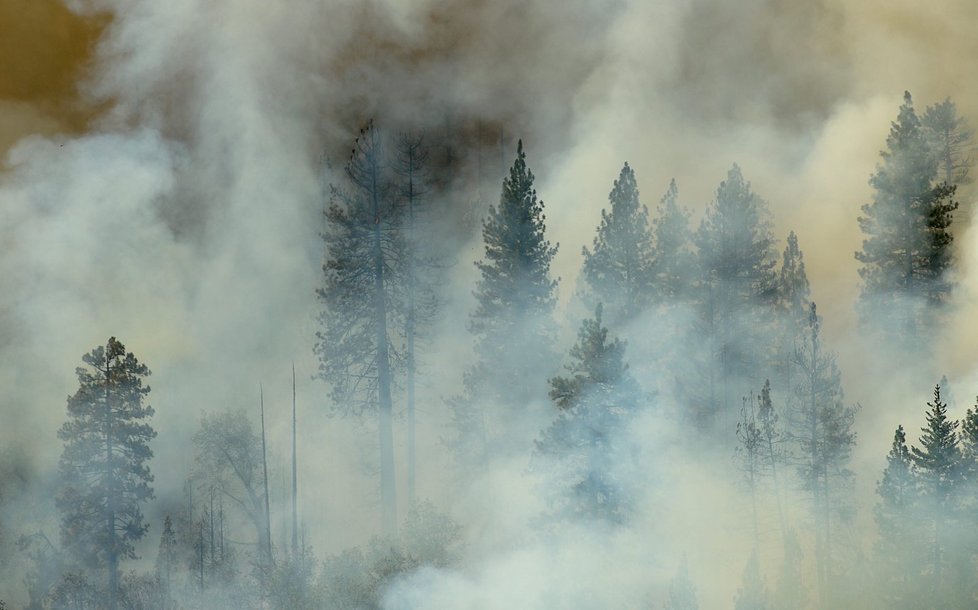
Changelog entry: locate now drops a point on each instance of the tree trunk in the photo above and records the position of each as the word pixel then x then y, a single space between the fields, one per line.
pixel 295 486
pixel 388 497
pixel 113 558
pixel 270 561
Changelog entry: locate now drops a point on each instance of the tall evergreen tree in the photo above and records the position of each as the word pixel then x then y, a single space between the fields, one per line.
pixel 790 594
pixel 674 267
pixel 950 140
pixel 771 454
pixel 166 560
pixel 618 269
pixel 364 254
pixel 513 318
pixel 750 449
pixel 682 592
pixel 820 426
pixel 583 443
pixel 736 261
pixel 906 253
pixel 753 593
pixel 420 303
pixel 792 315
pixel 898 543
pixel 103 467
pixel 937 463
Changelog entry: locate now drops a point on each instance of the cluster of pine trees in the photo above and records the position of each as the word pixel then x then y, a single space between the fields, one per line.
pixel 726 344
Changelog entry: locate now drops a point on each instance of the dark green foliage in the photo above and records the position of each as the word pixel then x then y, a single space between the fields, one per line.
pixel 899 540
pixel 515 294
pixel 618 269
pixel 906 253
pixel 103 468
pixel 512 321
pixel 593 404
pixel 938 465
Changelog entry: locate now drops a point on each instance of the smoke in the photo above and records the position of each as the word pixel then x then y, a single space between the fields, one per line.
pixel 164 171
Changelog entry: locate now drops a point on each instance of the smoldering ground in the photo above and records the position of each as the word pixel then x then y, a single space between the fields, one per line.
pixel 164 178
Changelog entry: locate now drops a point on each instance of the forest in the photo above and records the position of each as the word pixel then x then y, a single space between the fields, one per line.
pixel 415 315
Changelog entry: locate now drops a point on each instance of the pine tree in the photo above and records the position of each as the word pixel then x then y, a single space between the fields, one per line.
pixel 364 254
pixel 736 262
pixel 582 444
pixel 792 315
pixel 750 447
pixel 771 453
pixel 674 265
pixel 753 593
pixel 949 138
pixel 103 467
pixel 898 543
pixel 618 269
pixel 682 592
pixel 790 594
pixel 937 463
pixel 166 559
pixel 906 253
pixel 820 426
pixel 793 287
pixel 420 260
pixel 513 318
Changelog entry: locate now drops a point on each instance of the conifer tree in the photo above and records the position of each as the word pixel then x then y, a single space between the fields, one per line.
pixel 906 253
pixel 771 450
pixel 166 559
pixel 674 266
pixel 753 593
pixel 364 254
pixel 618 269
pixel 790 594
pixel 793 287
pixel 593 404
pixel 898 544
pixel 792 315
pixel 682 592
pixel 419 301
pixel 736 261
pixel 949 138
pixel 513 318
pixel 937 463
pixel 750 447
pixel 103 468
pixel 820 426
